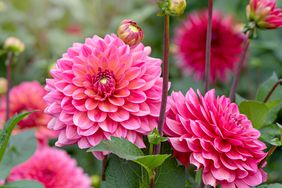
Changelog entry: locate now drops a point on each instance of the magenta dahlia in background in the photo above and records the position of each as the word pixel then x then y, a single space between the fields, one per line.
pixel 190 43
pixel 104 88
pixel 27 97
pixel 210 133
pixel 53 168
pixel 265 14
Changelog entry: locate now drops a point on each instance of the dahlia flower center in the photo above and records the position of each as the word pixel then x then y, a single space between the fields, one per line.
pixel 104 83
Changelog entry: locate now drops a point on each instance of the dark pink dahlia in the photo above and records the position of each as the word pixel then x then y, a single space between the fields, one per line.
pixel 210 133
pixel 190 41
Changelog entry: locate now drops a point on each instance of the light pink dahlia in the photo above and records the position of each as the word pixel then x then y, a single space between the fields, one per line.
pixel 53 168
pixel 28 96
pixel 210 133
pixel 190 42
pixel 265 14
pixel 104 88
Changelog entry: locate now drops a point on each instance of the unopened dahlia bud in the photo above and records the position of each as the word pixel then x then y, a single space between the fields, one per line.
pixel 3 86
pixel 130 32
pixel 172 7
pixel 265 14
pixel 13 44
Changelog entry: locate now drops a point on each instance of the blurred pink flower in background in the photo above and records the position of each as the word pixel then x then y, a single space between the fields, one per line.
pixel 27 97
pixel 265 14
pixel 104 88
pixel 53 168
pixel 190 43
pixel 210 133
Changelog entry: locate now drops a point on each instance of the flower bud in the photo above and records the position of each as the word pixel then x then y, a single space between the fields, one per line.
pixel 3 86
pixel 14 45
pixel 96 181
pixel 172 7
pixel 130 32
pixel 265 14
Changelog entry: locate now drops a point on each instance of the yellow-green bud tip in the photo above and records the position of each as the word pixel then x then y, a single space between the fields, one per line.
pixel 13 44
pixel 172 7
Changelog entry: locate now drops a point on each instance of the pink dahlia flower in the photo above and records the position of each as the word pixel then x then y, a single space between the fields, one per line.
pixel 190 42
pixel 104 88
pixel 28 96
pixel 210 133
pixel 265 14
pixel 53 168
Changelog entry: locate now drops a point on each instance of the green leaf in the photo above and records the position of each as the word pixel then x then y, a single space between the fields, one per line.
pixel 126 150
pixel 266 86
pixel 23 184
pixel 239 99
pixel 170 175
pixel 274 108
pixel 271 134
pixel 150 162
pixel 119 146
pixel 7 131
pixel 256 112
pixel 275 185
pixel 125 174
pixel 20 148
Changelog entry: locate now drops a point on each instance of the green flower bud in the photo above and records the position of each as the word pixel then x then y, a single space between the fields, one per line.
pixel 14 45
pixel 172 7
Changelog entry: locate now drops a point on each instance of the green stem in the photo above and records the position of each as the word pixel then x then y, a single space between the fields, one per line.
pixel 272 90
pixel 208 47
pixel 104 166
pixel 151 149
pixel 269 153
pixel 165 81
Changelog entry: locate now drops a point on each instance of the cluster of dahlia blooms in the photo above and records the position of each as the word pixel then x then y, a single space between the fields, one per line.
pixel 103 88
pixel 210 133
pixel 226 45
pixel 53 168
pixel 28 97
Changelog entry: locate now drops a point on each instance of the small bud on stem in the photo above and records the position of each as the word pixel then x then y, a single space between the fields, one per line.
pixel 130 32
pixel 14 45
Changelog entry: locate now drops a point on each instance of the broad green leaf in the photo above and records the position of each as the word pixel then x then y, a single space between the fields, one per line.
pixel 20 148
pixel 126 150
pixel 275 185
pixel 150 162
pixel 274 107
pixel 256 112
pixel 266 86
pixel 7 131
pixel 271 134
pixel 121 173
pixel 119 146
pixel 170 175
pixel 23 184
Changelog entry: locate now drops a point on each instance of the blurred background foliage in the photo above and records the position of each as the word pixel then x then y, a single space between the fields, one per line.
pixel 49 27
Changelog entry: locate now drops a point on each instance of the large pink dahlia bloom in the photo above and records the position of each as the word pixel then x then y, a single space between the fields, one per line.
pixel 53 168
pixel 28 96
pixel 265 14
pixel 104 88
pixel 210 133
pixel 190 42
